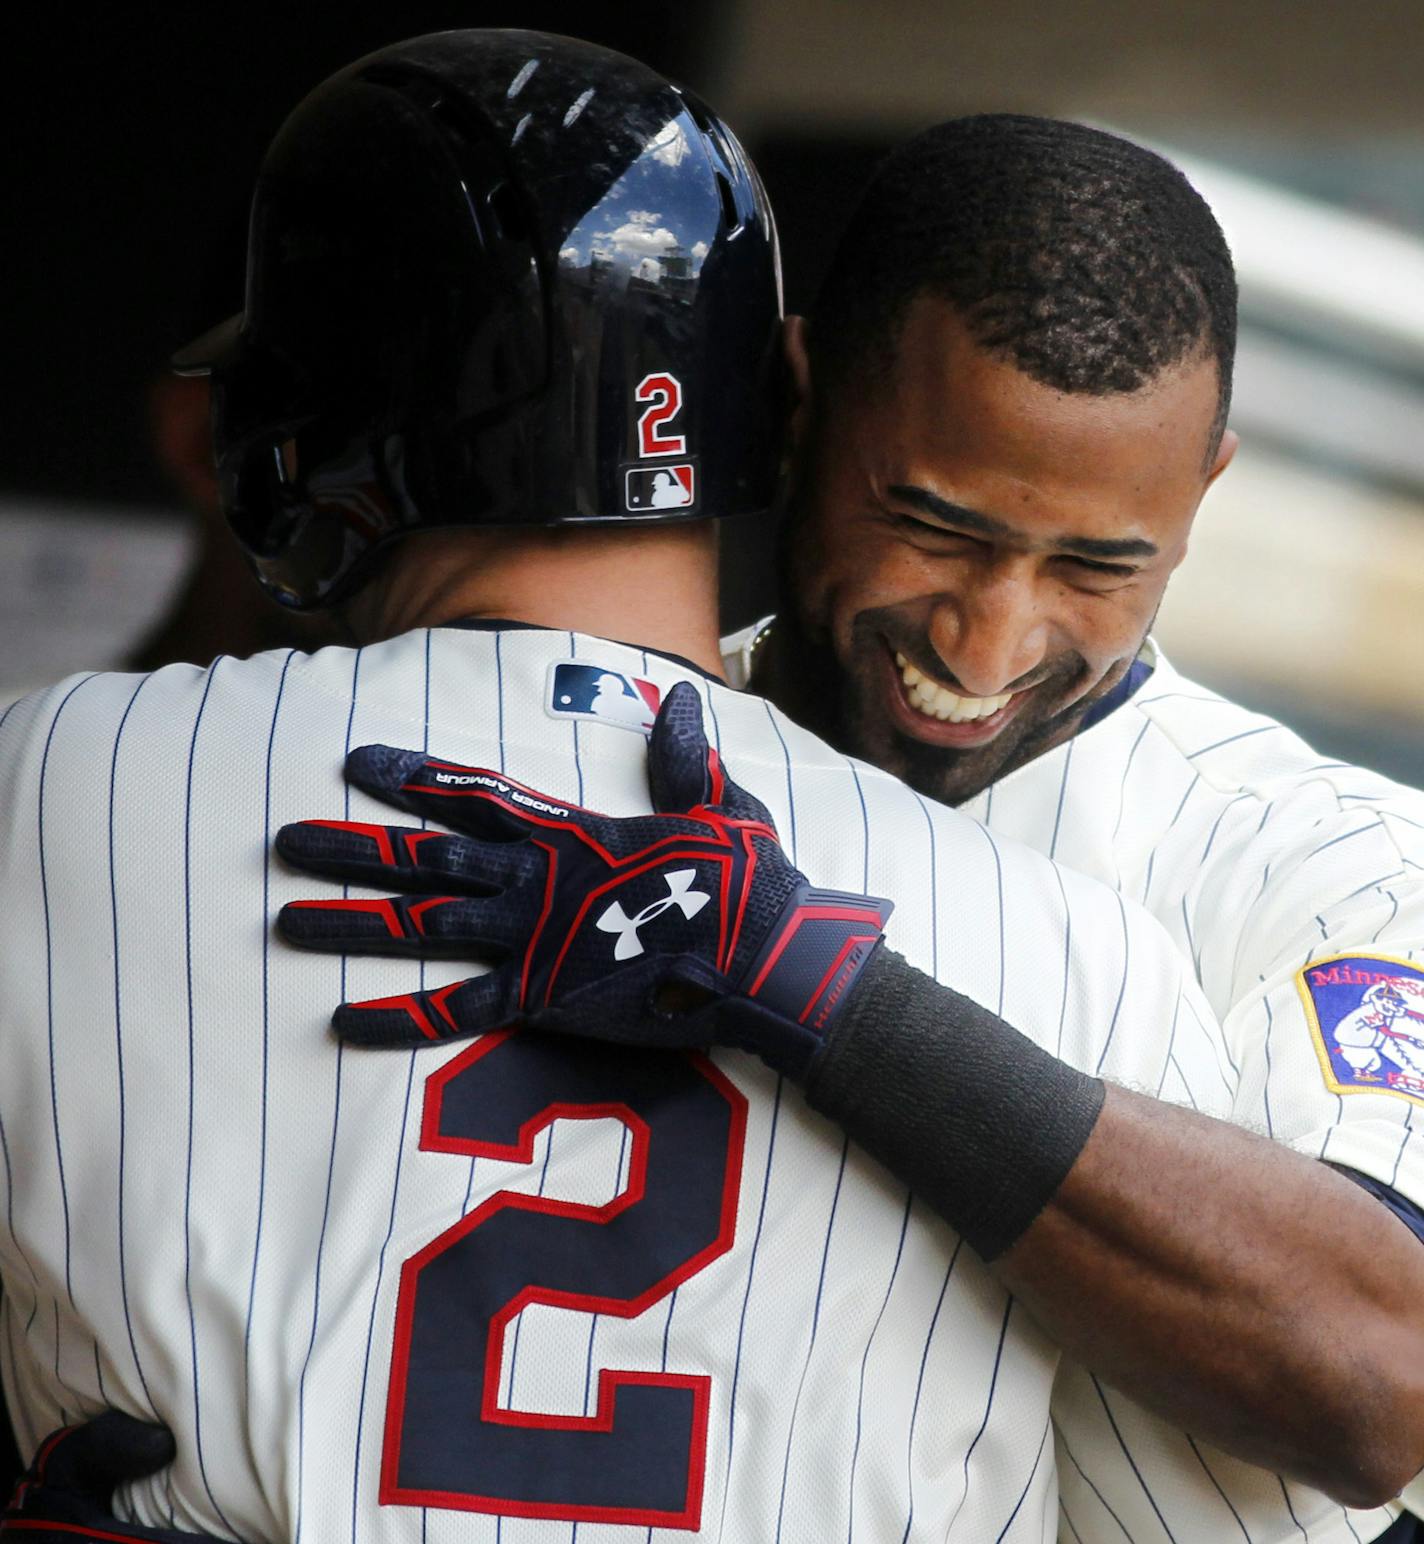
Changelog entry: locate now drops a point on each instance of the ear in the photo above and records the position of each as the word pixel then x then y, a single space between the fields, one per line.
pixel 1230 441
pixel 183 438
pixel 793 341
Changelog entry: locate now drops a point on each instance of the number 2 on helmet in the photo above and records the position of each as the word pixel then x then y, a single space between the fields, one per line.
pixel 664 392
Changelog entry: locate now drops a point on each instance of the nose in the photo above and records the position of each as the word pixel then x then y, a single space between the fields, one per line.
pixel 993 633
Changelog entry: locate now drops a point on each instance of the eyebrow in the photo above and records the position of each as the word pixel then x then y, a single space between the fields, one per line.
pixel 986 525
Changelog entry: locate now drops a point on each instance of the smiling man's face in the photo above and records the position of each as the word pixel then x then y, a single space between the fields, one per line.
pixel 975 558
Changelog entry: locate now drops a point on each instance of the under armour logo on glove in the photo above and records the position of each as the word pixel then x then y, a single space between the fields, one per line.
pixel 680 894
pixel 705 907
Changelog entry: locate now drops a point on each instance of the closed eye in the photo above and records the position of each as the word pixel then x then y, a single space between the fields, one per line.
pixel 952 538
pixel 932 528
pixel 1097 566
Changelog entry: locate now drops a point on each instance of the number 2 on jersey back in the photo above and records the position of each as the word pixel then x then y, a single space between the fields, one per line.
pixel 641 1456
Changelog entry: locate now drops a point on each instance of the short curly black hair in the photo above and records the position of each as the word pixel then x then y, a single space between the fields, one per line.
pixel 1088 262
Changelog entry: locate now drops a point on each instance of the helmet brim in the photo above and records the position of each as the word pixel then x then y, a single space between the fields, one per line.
pixel 211 350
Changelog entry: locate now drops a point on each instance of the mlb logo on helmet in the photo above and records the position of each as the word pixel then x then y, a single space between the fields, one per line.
pixel 1366 1016
pixel 661 487
pixel 584 689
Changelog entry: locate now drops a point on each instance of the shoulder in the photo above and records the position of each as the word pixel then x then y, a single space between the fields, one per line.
pixel 68 720
pixel 1223 822
pixel 1305 796
pixel 1292 854
pixel 1178 753
pixel 63 737
pixel 1178 722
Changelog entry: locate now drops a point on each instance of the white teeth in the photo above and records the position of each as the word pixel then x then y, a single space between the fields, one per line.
pixel 911 675
pixel 936 702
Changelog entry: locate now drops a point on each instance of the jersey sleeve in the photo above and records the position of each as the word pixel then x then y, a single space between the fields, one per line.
pixel 1082 970
pixel 1408 1213
pixel 1327 1022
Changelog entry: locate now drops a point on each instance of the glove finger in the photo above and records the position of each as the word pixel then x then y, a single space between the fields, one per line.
pixel 89 1461
pixel 474 800
pixel 680 761
pixel 403 857
pixel 454 1012
pixel 406 926
pixel 741 805
pixel 684 772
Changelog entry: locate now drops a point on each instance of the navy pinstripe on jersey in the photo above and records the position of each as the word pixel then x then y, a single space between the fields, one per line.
pixel 249 1192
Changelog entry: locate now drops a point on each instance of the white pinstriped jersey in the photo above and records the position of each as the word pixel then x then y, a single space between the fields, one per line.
pixel 1262 859
pixel 207 1204
pixel 1272 867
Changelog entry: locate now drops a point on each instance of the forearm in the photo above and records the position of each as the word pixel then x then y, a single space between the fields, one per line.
pixel 1245 1293
pixel 980 1121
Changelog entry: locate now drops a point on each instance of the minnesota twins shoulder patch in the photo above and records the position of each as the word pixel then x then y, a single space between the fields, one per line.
pixel 1366 1016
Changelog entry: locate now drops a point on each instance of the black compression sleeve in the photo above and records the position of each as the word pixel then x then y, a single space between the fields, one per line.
pixel 978 1120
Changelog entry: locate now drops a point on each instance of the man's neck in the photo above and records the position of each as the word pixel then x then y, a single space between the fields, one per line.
pixel 796 680
pixel 654 586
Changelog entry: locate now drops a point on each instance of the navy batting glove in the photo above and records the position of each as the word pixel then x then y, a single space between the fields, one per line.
pixel 686 927
pixel 67 1493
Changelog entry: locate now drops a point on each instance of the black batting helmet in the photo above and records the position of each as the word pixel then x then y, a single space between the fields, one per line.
pixel 494 278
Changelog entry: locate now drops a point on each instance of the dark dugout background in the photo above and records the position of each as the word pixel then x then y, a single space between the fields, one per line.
pixel 137 135
pixel 141 131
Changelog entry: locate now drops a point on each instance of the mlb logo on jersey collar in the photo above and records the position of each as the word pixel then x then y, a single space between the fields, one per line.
pixel 581 688
pixel 1366 1017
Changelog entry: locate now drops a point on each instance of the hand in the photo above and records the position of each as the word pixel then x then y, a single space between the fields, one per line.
pixel 685 927
pixel 68 1491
